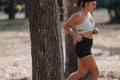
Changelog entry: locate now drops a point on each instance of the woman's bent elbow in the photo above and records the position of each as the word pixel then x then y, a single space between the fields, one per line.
pixel 65 27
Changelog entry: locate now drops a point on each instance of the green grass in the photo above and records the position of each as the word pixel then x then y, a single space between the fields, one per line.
pixel 13 24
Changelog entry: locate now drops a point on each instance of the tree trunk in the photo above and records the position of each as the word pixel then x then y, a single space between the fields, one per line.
pixel 46 45
pixel 11 9
pixel 71 59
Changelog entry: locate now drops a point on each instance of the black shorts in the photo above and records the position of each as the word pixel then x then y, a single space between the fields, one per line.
pixel 83 48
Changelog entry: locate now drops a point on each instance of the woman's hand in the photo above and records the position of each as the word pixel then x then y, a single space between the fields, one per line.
pixel 95 31
pixel 78 38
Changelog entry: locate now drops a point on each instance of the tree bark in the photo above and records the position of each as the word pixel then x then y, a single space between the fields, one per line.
pixel 11 9
pixel 46 45
pixel 71 59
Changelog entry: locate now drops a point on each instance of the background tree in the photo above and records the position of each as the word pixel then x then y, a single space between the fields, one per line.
pixel 112 6
pixel 1 5
pixel 10 8
pixel 71 59
pixel 47 57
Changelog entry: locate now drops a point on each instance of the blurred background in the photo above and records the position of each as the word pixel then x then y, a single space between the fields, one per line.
pixel 15 57
pixel 15 50
pixel 11 8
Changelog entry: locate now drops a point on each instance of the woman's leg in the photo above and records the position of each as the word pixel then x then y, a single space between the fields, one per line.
pixel 79 73
pixel 91 65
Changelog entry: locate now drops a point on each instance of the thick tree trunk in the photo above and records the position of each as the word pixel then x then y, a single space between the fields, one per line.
pixel 47 57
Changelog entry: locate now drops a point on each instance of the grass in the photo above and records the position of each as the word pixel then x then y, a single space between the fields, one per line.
pixel 16 37
pixel 13 24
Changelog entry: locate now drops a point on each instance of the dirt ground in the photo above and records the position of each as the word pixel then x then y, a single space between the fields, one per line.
pixel 15 58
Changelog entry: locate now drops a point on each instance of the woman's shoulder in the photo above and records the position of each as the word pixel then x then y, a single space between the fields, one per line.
pixel 77 15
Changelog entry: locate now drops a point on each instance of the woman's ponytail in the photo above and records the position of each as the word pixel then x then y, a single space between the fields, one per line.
pixel 79 3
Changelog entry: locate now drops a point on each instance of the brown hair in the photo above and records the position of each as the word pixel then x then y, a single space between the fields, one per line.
pixel 81 3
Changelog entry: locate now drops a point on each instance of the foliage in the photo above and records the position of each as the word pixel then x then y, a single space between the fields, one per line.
pixel 107 3
pixel 112 6
pixel 18 5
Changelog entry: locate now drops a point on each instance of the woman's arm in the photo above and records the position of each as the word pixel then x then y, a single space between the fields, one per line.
pixel 73 20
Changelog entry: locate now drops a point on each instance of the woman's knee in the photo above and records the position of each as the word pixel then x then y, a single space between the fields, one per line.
pixel 95 71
